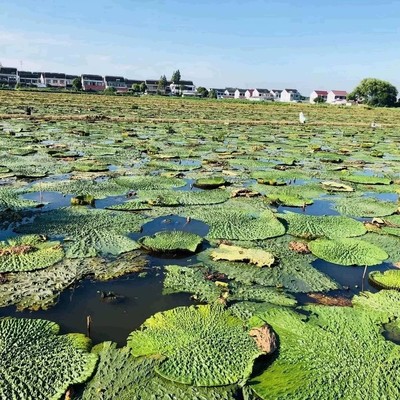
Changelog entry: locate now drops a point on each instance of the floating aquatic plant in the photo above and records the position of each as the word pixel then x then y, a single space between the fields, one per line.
pixel 365 207
pixel 28 253
pixel 172 241
pixel 389 279
pixel 88 232
pixel 202 346
pixel 258 257
pixel 312 226
pixel 337 352
pixel 348 251
pixel 37 363
pixel 123 377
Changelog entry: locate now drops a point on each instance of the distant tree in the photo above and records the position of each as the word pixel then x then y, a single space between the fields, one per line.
pixel 176 77
pixel 212 94
pixel 319 100
pixel 202 91
pixel 143 87
pixel 110 91
pixel 375 92
pixel 136 87
pixel 162 84
pixel 77 84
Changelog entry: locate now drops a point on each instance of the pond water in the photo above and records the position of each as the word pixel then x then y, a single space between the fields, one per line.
pixel 138 296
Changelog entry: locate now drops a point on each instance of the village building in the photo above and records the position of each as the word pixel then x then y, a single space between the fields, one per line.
pixel 116 82
pixel 52 79
pixel 8 76
pixel 27 78
pixel 337 97
pixel 323 94
pixel 92 83
pixel 289 95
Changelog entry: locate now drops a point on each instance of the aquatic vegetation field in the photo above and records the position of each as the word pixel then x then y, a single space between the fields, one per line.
pixel 224 242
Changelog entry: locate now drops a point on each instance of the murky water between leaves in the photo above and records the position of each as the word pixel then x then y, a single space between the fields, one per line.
pixel 138 296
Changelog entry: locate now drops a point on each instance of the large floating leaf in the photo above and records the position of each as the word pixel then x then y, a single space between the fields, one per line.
pixel 37 363
pixel 388 243
pixel 312 226
pixel 387 280
pixel 203 345
pixel 337 353
pixel 167 241
pixel 348 251
pixel 123 377
pixel 28 253
pixel 236 224
pixel 183 198
pixel 365 207
pixel 366 179
pixel 149 182
pixel 99 190
pixel 89 232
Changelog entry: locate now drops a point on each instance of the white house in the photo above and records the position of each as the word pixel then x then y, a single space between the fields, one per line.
pixel 289 95
pixel 185 88
pixel 219 92
pixel 53 79
pixel 240 93
pixel 92 83
pixel 337 97
pixel 276 94
pixel 69 79
pixel 262 94
pixel 229 93
pixel 116 82
pixel 318 93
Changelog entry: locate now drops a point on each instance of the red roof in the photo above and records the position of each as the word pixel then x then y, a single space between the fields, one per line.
pixel 321 92
pixel 251 91
pixel 339 92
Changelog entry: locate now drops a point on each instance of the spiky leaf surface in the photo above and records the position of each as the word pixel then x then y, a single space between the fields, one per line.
pixel 236 224
pixel 339 352
pixel 365 207
pixel 37 363
pixel 348 251
pixel 312 226
pixel 203 345
pixel 123 377
pixel 387 280
pixel 149 182
pixel 183 198
pixel 40 254
pixel 89 231
pixel 259 257
pixel 168 241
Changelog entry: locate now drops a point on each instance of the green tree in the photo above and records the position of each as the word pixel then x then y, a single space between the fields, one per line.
pixel 202 91
pixel 143 87
pixel 212 94
pixel 319 100
pixel 136 87
pixel 176 77
pixel 77 84
pixel 110 91
pixel 162 84
pixel 375 92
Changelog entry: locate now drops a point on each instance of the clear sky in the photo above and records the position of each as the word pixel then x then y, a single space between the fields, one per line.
pixel 305 44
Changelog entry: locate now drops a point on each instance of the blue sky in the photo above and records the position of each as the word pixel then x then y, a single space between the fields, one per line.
pixel 269 44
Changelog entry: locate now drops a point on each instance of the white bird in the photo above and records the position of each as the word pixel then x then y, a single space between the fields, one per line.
pixel 302 118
